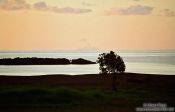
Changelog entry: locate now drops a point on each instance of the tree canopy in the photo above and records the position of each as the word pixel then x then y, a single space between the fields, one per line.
pixel 110 63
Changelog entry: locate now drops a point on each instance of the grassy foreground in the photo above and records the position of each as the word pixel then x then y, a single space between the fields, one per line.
pixel 83 96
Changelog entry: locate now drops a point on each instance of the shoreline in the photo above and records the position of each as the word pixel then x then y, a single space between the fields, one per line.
pixel 131 73
pixel 154 74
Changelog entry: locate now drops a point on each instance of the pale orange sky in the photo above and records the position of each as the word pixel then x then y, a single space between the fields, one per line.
pixel 87 24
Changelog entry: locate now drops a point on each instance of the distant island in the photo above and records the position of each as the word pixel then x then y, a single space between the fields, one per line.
pixel 43 61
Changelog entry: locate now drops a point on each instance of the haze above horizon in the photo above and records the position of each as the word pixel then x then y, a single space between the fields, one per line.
pixel 87 24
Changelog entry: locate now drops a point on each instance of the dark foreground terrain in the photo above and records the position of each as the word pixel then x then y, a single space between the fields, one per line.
pixel 84 93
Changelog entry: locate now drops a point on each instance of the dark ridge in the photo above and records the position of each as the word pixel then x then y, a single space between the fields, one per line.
pixel 125 80
pixel 81 61
pixel 42 61
pixel 33 61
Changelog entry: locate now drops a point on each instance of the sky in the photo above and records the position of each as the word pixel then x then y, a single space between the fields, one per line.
pixel 87 24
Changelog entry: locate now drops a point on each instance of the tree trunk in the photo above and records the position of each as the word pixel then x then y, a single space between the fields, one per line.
pixel 114 82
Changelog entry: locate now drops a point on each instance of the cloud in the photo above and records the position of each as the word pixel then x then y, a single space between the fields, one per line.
pixel 131 10
pixel 40 6
pixel 136 0
pixel 167 12
pixel 43 6
pixel 22 4
pixel 14 4
pixel 87 4
pixel 71 10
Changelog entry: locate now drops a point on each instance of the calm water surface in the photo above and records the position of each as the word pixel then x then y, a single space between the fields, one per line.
pixel 153 62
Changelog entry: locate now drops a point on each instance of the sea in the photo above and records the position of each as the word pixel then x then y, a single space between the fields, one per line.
pixel 149 62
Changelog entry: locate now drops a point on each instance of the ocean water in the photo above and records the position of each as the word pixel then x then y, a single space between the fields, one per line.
pixel 151 62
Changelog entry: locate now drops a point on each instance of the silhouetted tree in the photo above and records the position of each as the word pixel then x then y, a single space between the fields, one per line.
pixel 111 63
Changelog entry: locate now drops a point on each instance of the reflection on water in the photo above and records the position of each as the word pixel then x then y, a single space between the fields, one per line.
pixel 48 69
pixel 138 62
pixel 84 69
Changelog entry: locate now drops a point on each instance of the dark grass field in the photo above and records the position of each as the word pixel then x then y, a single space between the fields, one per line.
pixel 84 93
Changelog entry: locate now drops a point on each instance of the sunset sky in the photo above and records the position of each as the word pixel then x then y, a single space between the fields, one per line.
pixel 87 24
